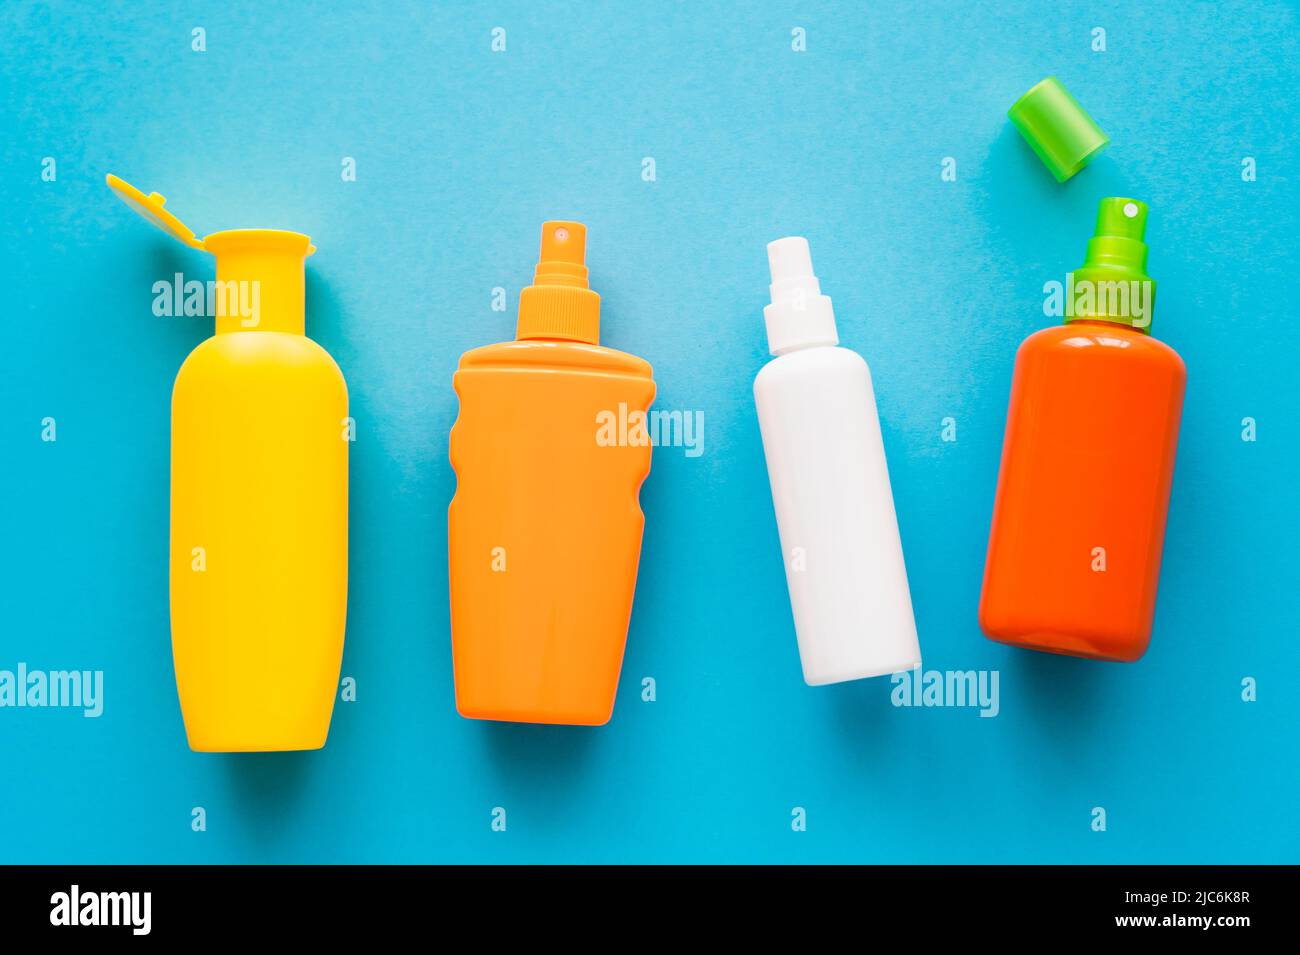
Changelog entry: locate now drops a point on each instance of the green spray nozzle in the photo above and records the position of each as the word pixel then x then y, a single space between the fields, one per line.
pixel 1112 285
pixel 1124 219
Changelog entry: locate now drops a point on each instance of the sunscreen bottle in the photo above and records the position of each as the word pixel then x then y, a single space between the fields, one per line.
pixel 259 502
pixel 544 532
pixel 830 486
pixel 1087 462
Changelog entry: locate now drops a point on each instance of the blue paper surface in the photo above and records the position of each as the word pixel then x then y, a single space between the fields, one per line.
pixel 460 152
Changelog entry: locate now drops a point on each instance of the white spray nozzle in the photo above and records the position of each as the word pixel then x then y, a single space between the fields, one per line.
pixel 800 315
pixel 789 257
pixel 790 262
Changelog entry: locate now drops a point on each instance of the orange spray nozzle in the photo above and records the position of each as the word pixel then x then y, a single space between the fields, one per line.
pixel 560 304
pixel 564 255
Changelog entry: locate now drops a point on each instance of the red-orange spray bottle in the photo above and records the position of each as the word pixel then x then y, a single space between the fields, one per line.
pixel 1087 462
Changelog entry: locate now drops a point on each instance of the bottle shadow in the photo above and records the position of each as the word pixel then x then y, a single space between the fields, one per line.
pixel 324 315
pixel 861 713
pixel 1028 213
pixel 539 754
pixel 161 260
pixel 1061 691
pixel 267 787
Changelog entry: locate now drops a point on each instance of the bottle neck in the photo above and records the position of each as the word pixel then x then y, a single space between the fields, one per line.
pixel 1105 324
pixel 799 322
pixel 261 283
pixel 802 346
pixel 559 313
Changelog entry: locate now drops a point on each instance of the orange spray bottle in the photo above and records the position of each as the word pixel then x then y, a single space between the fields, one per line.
pixel 1087 462
pixel 544 531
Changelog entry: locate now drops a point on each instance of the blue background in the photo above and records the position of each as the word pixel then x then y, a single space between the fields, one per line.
pixel 461 153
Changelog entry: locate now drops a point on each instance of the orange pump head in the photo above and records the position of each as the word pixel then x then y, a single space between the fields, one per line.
pixel 559 305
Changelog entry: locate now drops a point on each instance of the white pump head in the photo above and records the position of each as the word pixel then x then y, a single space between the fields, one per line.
pixel 800 316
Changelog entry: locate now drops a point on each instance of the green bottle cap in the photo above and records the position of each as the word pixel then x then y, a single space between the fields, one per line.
pixel 1112 285
pixel 1057 128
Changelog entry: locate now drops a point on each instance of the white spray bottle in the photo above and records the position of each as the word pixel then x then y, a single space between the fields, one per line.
pixel 830 485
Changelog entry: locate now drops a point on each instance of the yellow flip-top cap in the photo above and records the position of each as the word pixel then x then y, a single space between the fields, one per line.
pixel 151 208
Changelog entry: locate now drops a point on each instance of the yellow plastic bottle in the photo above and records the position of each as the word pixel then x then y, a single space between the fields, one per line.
pixel 545 528
pixel 259 507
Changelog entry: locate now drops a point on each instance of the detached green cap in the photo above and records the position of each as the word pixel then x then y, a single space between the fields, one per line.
pixel 1057 128
pixel 1112 285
